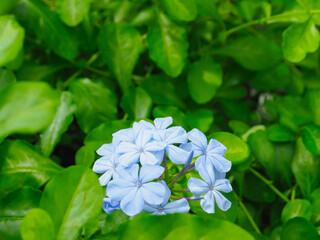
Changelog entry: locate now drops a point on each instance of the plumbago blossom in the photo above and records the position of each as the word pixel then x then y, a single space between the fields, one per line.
pixel 134 169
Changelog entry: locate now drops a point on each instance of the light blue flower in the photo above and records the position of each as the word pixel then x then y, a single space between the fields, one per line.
pixel 212 184
pixel 110 205
pixel 128 134
pixel 178 206
pixel 144 149
pixel 133 190
pixel 211 153
pixel 159 124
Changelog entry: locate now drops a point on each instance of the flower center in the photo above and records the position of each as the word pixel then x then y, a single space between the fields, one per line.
pixel 211 188
pixel 139 184
pixel 141 150
pixel 160 209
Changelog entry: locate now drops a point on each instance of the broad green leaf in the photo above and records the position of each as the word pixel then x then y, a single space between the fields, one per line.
pixel 315 205
pixel 207 8
pixel 154 86
pixel 47 26
pixel 279 133
pixel 13 206
pixel 238 127
pixel 283 158
pixel 313 99
pixel 11 39
pixel 26 107
pixel 237 150
pixel 300 39
pixel 114 221
pixel 311 138
pixel 311 5
pixel 184 10
pixel 249 9
pixel 179 118
pixel 95 103
pixel 201 118
pixel 247 51
pixel 103 134
pixel 85 156
pixel 37 224
pixel 168 45
pixel 120 45
pixel 296 208
pixel 6 77
pixel 204 78
pixel 7 6
pixel 23 165
pixel 60 123
pixel 306 169
pixel 180 226
pixel 74 204
pixel 137 103
pixel 263 150
pixel 72 12
pixel 298 229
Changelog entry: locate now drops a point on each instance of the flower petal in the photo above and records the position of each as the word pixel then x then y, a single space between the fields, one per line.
pixel 217 147
pixel 198 139
pixel 117 189
pixel 176 135
pixel 148 158
pixel 126 147
pixel 154 146
pixel 143 138
pixel 167 192
pixel 153 192
pixel 163 123
pixel 150 172
pixel 179 206
pixel 223 203
pixel 133 203
pixel 102 165
pixel 177 155
pixel 197 186
pixel 150 208
pixel 220 162
pixel 110 205
pixel 106 150
pixel 124 135
pixel 207 173
pixel 105 178
pixel 129 158
pixel 130 174
pixel 147 125
pixel 223 185
pixel 207 203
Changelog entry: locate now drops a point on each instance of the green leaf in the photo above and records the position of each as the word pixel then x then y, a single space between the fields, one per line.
pixel 137 103
pixel 184 10
pixel 26 107
pixel 298 229
pixel 306 169
pixel 74 204
pixel 7 6
pixel 72 12
pixel 37 224
pixel 11 39
pixel 204 78
pixel 13 207
pixel 85 156
pixel 47 26
pixel 296 208
pixel 201 119
pixel 179 118
pixel 120 45
pixel 311 138
pixel 60 123
pixel 263 150
pixel 168 45
pixel 175 226
pixel 315 205
pixel 300 39
pixel 95 103
pixel 238 150
pixel 283 158
pixel 6 77
pixel 23 165
pixel 279 133
pixel 247 51
pixel 313 99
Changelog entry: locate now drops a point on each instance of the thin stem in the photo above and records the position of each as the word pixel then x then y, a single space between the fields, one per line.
pixel 165 168
pixel 293 192
pixel 269 184
pixel 246 212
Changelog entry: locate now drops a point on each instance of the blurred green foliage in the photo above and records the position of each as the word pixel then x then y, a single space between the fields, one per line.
pixel 245 72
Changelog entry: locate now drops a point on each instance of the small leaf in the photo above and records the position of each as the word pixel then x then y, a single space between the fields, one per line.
pixel 26 107
pixel 296 208
pixel 7 6
pixel 297 229
pixel 13 207
pixel 311 138
pixel 315 205
pixel 11 39
pixel 184 10
pixel 201 118
pixel 37 224
pixel 283 158
pixel 204 78
pixel 95 103
pixel 120 45
pixel 137 103
pixel 74 204
pixel 279 133
pixel 313 99
pixel 6 77
pixel 23 165
pixel 85 156
pixel 300 39
pixel 72 12
pixel 168 45
pixel 60 123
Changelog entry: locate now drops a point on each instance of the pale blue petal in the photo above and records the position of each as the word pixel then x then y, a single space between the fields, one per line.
pixel 163 123
pixel 197 150
pixel 147 125
pixel 220 162
pixel 197 186
pixel 177 155
pixel 137 128
pixel 102 165
pixel 207 203
pixel 126 147
pixel 153 192
pixel 223 185
pixel 159 156
pixel 127 159
pixel 176 135
pixel 150 172
pixel 160 135
pixel 186 146
pixel 133 202
pixel 143 138
pixel 148 158
pixel 179 206
pixel 105 178
pixel 130 174
pixel 150 208
pixel 215 146
pixel 106 150
pixel 223 203
pixel 200 160
pixel 154 146
pixel 198 139
pixel 110 205
pixel 206 174
pixel 158 213
pixel 167 192
pixel 124 135
pixel 117 189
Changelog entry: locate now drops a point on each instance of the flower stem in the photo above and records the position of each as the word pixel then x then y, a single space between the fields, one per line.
pixel 269 184
pixel 165 168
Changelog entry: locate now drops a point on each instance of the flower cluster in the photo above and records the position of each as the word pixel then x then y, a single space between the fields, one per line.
pixel 135 170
